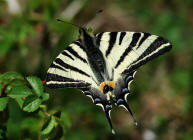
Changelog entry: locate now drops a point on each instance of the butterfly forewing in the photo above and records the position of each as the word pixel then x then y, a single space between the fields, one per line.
pixel 70 69
pixel 126 51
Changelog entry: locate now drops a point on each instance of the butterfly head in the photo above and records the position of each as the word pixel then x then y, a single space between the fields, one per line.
pixel 83 33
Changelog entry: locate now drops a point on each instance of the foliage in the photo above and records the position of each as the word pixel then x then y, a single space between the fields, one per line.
pixel 28 93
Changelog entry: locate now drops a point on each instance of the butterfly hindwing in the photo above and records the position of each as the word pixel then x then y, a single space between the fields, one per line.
pixel 100 100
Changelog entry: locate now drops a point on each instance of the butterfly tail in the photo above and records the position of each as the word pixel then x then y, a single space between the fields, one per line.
pixel 106 106
pixel 107 113
pixel 126 106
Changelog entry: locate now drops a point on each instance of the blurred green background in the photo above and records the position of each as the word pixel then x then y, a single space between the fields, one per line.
pixel 162 92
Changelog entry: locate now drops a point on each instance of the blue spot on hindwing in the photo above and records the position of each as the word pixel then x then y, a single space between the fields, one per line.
pixel 125 90
pixel 97 100
pixel 108 107
pixel 128 79
pixel 87 92
pixel 120 101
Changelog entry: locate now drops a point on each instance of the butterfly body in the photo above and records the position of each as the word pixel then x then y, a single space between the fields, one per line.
pixel 94 56
pixel 104 65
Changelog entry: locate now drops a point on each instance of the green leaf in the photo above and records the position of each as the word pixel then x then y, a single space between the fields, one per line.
pixel 31 103
pixel 19 91
pixel 14 84
pixel 36 84
pixel 3 103
pixel 48 126
pixel 10 76
pixel 17 83
pixel 20 102
pixel 45 96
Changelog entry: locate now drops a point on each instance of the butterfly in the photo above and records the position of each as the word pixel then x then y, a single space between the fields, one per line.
pixel 103 65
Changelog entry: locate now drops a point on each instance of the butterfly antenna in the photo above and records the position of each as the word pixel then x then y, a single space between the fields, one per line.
pixel 97 13
pixel 107 113
pixel 59 20
pixel 129 110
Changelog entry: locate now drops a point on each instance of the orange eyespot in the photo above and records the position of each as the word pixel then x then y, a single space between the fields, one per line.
pixel 101 87
pixel 112 84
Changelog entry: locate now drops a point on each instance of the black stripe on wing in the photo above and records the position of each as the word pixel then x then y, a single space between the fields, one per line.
pixel 68 85
pixel 78 44
pixel 154 46
pixel 133 43
pixel 145 36
pixel 74 53
pixel 144 58
pixel 121 37
pixel 113 36
pixel 67 66
pixel 67 55
pixel 58 78
pixel 63 82
pixel 56 66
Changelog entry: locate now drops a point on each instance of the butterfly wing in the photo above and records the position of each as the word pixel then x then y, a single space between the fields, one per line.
pixel 70 69
pixel 125 52
pixel 100 100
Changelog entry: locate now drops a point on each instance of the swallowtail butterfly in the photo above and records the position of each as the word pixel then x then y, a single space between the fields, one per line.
pixel 102 66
